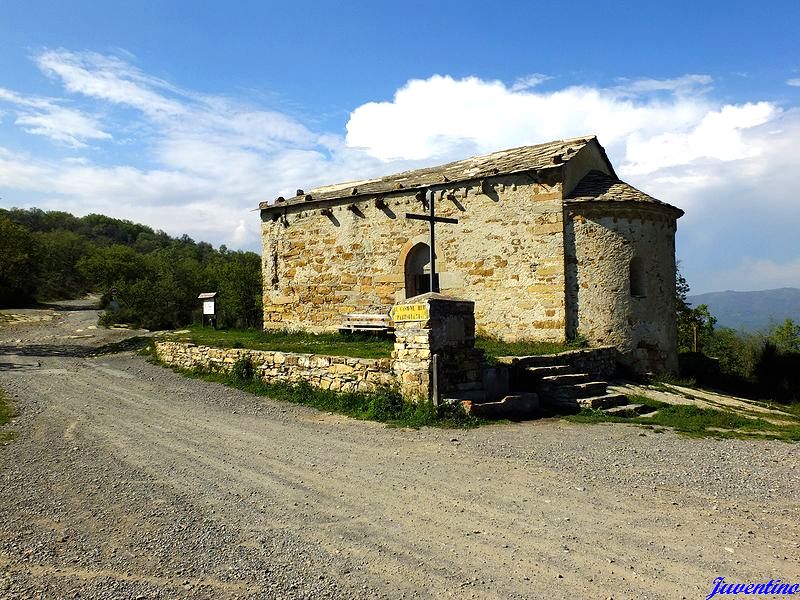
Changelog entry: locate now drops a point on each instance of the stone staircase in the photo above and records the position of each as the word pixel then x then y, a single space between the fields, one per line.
pixel 561 388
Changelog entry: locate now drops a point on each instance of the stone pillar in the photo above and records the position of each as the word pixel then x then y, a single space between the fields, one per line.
pixel 435 324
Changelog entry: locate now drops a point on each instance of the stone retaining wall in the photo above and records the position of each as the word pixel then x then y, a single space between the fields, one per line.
pixel 340 373
pixel 598 362
pixel 409 368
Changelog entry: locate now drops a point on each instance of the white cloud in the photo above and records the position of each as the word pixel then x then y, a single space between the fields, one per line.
pixel 718 135
pixel 442 117
pixel 213 158
pixel 680 85
pixel 793 82
pixel 111 79
pixel 63 125
pixel 44 116
pixel 529 81
pixel 757 274
pixel 242 233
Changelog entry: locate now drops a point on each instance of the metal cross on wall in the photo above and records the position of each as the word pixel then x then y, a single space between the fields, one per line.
pixel 432 219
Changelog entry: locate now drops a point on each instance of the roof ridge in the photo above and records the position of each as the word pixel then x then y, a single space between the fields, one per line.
pixel 533 157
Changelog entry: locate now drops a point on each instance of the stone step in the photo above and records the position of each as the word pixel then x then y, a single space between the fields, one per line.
pixel 604 401
pixel 561 407
pixel 647 415
pixel 560 393
pixel 544 360
pixel 628 410
pixel 515 406
pixel 567 379
pixel 591 388
pixel 457 396
pixel 538 372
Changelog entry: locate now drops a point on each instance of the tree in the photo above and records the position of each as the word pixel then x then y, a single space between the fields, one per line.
pixel 236 276
pixel 695 325
pixel 786 337
pixel 104 267
pixel 19 265
pixel 60 252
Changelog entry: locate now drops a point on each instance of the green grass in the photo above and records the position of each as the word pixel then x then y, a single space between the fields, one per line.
pixel 385 405
pixel 332 344
pixel 7 413
pixel 697 422
pixel 791 409
pixel 356 345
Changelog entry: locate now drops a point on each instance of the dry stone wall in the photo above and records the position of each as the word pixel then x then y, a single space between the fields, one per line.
pixel 506 253
pixel 337 373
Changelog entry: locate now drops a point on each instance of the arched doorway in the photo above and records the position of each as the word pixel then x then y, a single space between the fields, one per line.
pixel 418 270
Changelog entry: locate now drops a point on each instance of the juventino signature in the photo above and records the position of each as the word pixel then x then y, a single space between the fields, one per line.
pixel 773 587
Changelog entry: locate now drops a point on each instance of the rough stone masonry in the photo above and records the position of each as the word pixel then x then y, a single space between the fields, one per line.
pixel 550 245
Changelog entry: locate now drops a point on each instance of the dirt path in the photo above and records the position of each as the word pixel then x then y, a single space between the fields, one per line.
pixel 129 481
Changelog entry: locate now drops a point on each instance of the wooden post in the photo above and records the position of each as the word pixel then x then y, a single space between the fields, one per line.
pixel 435 380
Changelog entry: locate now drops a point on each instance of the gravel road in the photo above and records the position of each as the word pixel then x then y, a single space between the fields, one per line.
pixel 127 480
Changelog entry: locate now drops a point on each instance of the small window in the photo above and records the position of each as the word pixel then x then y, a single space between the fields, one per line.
pixel 638 282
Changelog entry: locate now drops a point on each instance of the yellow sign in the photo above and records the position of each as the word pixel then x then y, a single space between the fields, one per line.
pixel 409 312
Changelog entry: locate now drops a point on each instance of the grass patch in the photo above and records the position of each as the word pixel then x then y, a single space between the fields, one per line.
pixel 7 413
pixel 355 345
pixel 384 405
pixel 791 409
pixel 696 422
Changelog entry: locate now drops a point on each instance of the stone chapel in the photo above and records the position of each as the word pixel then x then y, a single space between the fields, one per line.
pixel 550 245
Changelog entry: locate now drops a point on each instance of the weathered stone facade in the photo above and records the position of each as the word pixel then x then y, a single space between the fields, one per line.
pixel 603 245
pixel 339 373
pixel 319 266
pixel 543 254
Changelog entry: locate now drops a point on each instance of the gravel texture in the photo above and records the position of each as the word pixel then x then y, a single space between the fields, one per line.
pixel 127 480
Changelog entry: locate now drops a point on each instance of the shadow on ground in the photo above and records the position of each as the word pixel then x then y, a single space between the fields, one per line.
pixel 44 350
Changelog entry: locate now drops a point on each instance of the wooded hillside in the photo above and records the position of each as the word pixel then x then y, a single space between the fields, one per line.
pixel 55 255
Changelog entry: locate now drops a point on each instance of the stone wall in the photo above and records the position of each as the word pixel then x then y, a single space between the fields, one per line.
pixel 338 373
pixel 601 243
pixel 448 331
pixel 506 253
pixel 600 363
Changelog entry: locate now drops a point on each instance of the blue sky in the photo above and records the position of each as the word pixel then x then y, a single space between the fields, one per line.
pixel 185 115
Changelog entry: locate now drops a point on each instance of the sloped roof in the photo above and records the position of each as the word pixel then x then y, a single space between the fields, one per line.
pixel 597 186
pixel 514 160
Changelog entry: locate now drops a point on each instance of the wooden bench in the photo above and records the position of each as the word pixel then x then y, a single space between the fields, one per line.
pixel 366 322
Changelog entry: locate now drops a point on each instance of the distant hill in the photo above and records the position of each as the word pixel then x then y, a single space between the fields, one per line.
pixel 751 311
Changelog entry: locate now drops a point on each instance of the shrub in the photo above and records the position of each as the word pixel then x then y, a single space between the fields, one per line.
pixel 386 404
pixel 243 370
